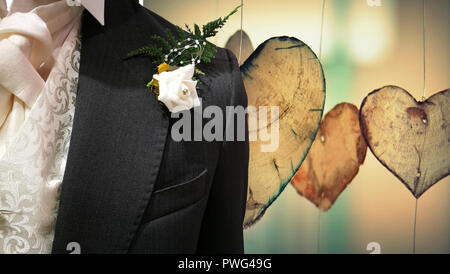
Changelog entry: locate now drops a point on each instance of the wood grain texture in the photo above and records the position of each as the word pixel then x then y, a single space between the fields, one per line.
pixel 334 159
pixel 410 138
pixel 284 72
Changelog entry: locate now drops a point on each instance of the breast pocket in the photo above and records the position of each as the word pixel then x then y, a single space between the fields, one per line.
pixel 173 198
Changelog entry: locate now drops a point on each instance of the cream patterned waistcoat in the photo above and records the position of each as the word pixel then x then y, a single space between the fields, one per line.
pixel 32 168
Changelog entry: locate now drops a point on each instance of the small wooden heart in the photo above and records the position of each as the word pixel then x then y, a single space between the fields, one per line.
pixel 334 159
pixel 242 49
pixel 410 138
pixel 283 72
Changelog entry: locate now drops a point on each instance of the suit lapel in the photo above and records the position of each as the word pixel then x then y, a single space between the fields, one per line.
pixel 118 136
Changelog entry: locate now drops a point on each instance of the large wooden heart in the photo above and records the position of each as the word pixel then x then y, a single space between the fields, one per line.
pixel 283 72
pixel 334 158
pixel 410 138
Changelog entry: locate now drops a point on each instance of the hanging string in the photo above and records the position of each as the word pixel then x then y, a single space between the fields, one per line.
pixel 240 41
pixel 424 51
pixel 320 57
pixel 318 225
pixel 415 223
pixel 321 29
pixel 423 99
pixel 217 16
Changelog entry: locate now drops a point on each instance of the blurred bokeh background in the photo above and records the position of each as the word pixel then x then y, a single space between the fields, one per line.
pixel 364 48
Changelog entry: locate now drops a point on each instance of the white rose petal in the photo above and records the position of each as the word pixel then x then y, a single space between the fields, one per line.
pixel 177 90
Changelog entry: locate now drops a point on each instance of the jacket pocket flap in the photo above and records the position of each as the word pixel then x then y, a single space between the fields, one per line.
pixel 170 199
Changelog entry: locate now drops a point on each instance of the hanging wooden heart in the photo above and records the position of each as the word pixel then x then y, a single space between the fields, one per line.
pixel 334 158
pixel 410 138
pixel 240 48
pixel 282 72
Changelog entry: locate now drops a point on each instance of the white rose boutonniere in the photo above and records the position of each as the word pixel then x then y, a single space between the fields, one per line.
pixel 174 58
pixel 177 90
